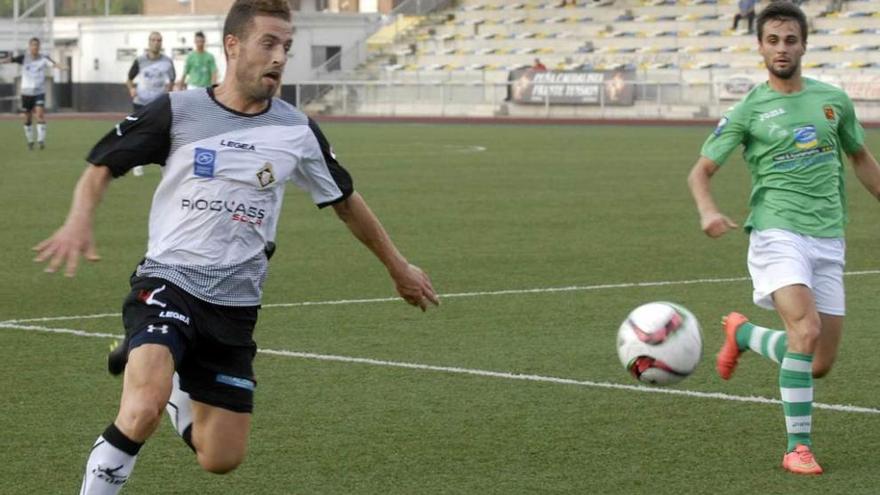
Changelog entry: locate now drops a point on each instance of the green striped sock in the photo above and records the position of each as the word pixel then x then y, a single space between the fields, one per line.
pixel 765 341
pixel 796 387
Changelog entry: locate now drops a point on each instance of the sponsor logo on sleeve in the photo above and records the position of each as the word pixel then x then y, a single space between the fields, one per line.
pixel 721 125
pixel 119 129
pixel 203 162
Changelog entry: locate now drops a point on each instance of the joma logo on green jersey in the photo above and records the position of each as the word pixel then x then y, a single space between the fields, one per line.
pixel 771 114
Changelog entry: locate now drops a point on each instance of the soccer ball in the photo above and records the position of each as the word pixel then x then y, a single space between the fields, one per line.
pixel 660 343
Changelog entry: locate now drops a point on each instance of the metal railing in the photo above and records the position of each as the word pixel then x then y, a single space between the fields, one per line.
pixel 421 7
pixel 357 53
pixel 650 100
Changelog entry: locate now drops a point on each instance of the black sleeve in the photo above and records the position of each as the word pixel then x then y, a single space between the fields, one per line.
pixel 133 71
pixel 17 59
pixel 141 138
pixel 340 175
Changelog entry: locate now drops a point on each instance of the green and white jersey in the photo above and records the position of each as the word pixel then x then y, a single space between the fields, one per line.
pixel 794 145
pixel 199 68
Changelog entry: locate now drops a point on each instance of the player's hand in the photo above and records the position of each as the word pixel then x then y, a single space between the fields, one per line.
pixel 65 247
pixel 414 286
pixel 716 224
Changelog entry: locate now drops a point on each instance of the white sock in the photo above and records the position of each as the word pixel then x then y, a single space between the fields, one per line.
pixel 179 409
pixel 41 132
pixel 110 463
pixel 29 133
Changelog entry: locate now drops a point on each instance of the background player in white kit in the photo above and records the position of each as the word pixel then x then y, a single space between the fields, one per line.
pixel 33 90
pixel 155 76
pixel 227 153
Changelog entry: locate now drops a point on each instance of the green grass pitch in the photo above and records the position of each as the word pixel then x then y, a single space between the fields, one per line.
pixel 484 209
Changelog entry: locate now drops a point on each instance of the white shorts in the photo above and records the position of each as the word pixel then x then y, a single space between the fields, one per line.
pixel 779 258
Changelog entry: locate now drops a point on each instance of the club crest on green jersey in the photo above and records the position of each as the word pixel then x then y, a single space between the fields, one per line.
pixel 829 112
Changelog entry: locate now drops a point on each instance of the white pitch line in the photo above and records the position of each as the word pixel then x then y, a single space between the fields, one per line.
pixel 508 292
pixel 562 381
pixel 62 318
pixel 504 292
pixel 68 331
pixel 488 374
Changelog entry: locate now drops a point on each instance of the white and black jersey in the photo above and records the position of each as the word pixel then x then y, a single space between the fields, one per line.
pixel 33 73
pixel 223 177
pixel 155 76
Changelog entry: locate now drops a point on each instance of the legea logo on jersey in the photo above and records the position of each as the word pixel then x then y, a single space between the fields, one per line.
pixel 203 162
pixel 237 145
pixel 805 137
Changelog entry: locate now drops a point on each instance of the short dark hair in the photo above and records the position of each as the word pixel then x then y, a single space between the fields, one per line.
pixel 242 12
pixel 782 10
pixel 200 34
pixel 34 39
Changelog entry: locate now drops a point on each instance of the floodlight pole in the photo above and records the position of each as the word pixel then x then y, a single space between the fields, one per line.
pixel 48 19
pixel 50 23
pixel 16 8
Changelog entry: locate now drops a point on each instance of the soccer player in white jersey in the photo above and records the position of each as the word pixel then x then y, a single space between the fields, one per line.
pixel 33 90
pixel 226 155
pixel 155 76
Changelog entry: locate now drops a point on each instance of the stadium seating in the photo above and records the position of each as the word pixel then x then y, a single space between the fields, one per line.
pixel 477 44
pixel 494 36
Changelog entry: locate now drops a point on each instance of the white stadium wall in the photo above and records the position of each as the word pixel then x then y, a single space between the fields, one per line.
pixel 101 49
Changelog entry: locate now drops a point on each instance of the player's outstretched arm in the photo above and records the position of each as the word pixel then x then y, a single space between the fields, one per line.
pixel 133 72
pixel 412 283
pixel 867 170
pixel 75 237
pixel 57 65
pixel 712 221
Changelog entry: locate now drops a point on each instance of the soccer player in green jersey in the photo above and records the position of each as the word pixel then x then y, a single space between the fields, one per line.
pixel 200 70
pixel 795 132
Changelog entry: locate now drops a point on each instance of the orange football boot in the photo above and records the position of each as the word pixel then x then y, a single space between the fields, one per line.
pixel 801 461
pixel 728 356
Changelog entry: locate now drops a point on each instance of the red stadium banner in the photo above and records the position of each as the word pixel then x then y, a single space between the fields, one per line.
pixel 572 87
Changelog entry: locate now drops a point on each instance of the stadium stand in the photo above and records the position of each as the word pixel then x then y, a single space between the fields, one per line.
pixel 684 41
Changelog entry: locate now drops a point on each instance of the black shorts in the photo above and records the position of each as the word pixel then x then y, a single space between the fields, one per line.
pixel 212 345
pixel 136 106
pixel 29 102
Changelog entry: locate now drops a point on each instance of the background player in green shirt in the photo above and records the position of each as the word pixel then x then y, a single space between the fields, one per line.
pixel 200 70
pixel 795 132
